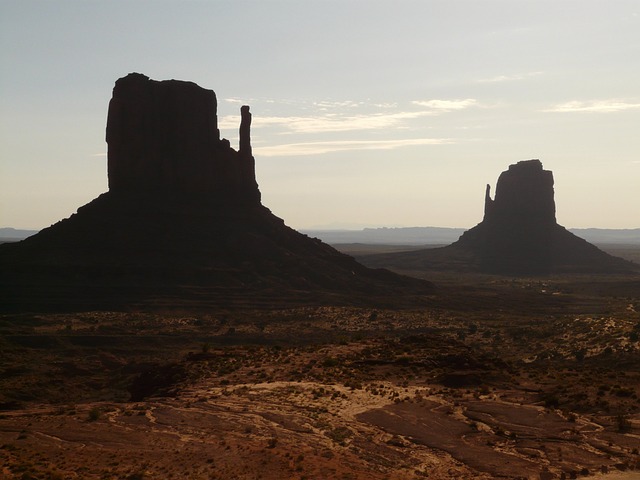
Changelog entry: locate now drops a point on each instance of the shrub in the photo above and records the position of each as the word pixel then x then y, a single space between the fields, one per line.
pixel 623 423
pixel 94 414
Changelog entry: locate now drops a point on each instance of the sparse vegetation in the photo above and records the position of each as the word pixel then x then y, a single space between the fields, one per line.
pixel 300 379
pixel 94 414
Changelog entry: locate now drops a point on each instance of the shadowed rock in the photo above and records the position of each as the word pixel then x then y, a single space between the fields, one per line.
pixel 518 235
pixel 524 192
pixel 163 137
pixel 182 225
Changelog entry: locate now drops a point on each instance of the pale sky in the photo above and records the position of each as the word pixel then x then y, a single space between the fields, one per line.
pixel 365 113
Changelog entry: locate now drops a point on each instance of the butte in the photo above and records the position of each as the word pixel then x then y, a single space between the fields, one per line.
pixel 518 235
pixel 181 226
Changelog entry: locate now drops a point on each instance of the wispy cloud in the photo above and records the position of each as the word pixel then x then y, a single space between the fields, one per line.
pixel 325 105
pixel 597 106
pixel 328 123
pixel 317 148
pixel 509 78
pixel 234 100
pixel 442 106
pixel 340 116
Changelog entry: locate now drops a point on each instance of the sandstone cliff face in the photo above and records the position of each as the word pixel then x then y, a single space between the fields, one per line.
pixel 163 137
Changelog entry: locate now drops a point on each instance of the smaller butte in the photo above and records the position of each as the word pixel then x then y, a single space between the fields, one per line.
pixel 518 235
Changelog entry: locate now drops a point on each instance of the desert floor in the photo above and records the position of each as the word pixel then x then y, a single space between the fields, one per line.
pixel 492 378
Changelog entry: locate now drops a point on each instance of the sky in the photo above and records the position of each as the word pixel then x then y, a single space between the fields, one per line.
pixel 366 113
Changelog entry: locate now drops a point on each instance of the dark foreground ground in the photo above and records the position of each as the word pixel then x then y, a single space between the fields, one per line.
pixel 495 378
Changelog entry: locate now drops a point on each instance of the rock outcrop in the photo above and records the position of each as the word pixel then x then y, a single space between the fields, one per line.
pixel 518 235
pixel 182 225
pixel 525 191
pixel 164 137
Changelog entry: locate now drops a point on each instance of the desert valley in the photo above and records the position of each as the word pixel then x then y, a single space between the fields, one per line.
pixel 174 328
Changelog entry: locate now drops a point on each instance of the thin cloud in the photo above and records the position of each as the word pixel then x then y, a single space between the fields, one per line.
pixel 329 122
pixel 342 116
pixel 318 148
pixel 386 105
pixel 330 105
pixel 509 78
pixel 443 106
pixel 597 106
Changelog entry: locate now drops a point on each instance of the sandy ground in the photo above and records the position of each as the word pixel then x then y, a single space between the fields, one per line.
pixel 308 430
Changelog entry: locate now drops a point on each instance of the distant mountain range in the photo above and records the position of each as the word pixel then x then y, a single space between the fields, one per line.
pixel 407 235
pixel 445 236
pixel 8 234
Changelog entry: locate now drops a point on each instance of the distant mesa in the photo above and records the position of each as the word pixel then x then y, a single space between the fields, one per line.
pixel 518 235
pixel 182 225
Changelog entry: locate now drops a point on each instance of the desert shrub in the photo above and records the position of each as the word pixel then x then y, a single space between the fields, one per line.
pixel 330 362
pixel 94 414
pixel 624 392
pixel 54 475
pixel 339 435
pixel 551 400
pixel 623 424
pixel 353 384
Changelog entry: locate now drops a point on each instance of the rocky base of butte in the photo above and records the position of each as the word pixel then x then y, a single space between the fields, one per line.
pixel 182 225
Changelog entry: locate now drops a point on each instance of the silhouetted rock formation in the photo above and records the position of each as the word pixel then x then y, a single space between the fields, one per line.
pixel 518 235
pixel 182 225
pixel 525 191
pixel 164 137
